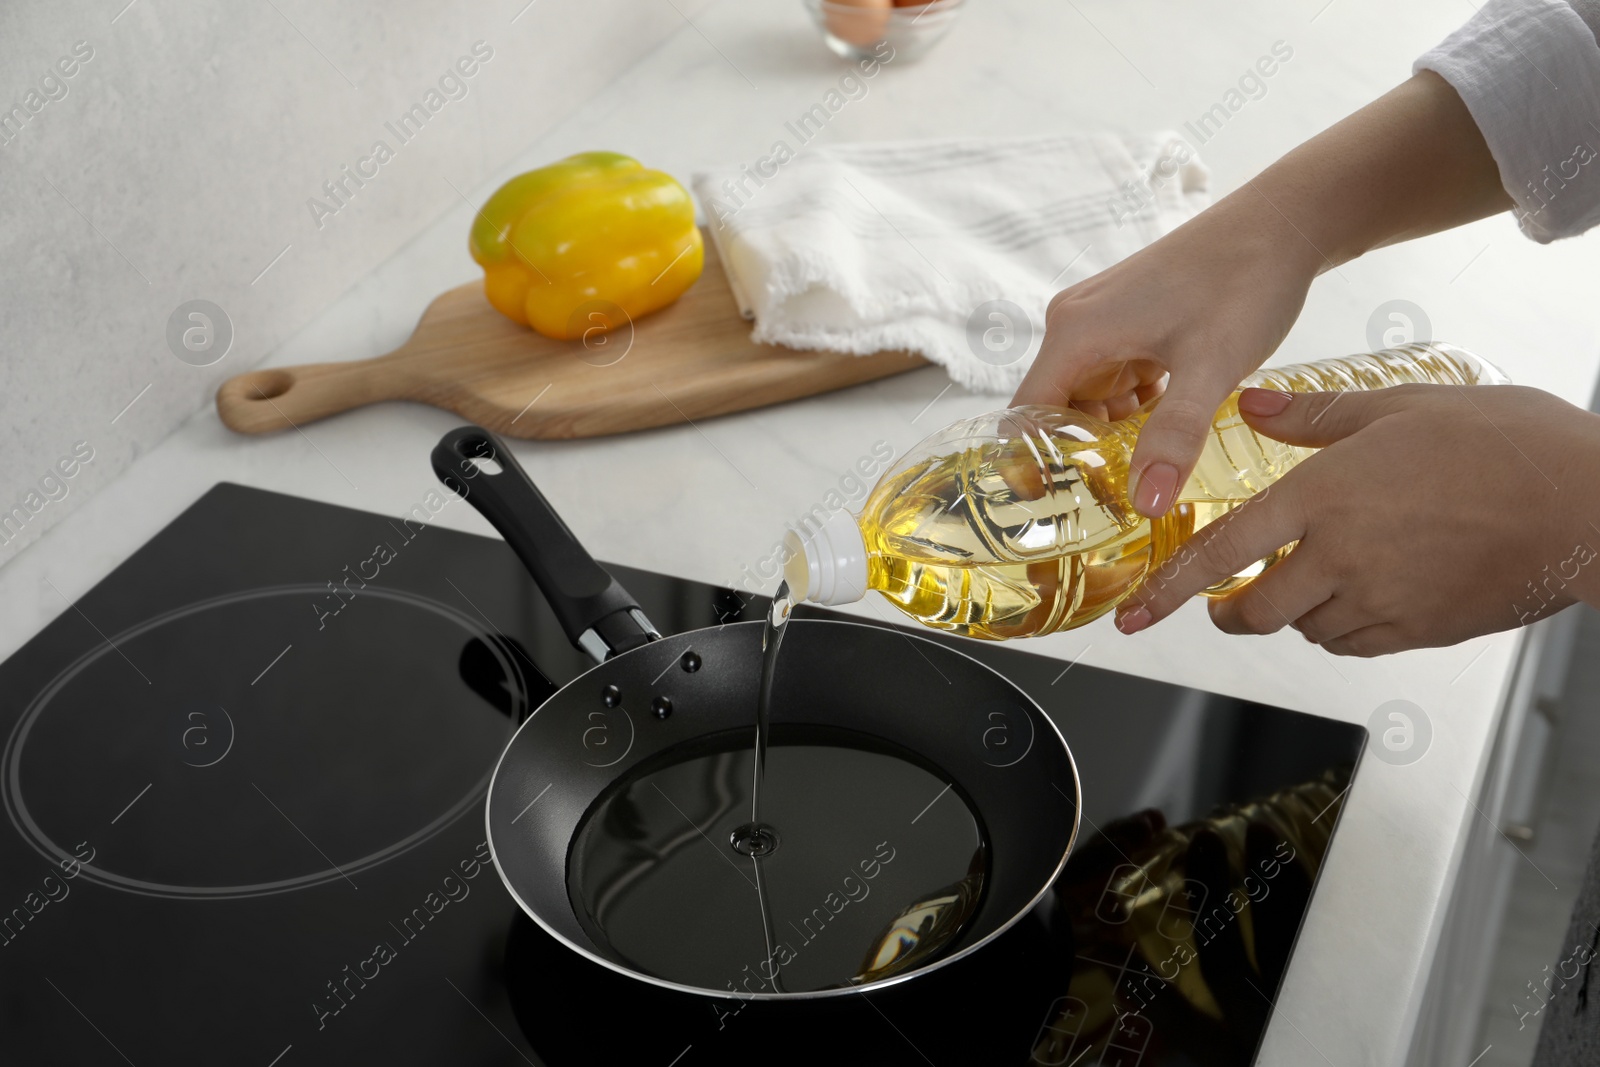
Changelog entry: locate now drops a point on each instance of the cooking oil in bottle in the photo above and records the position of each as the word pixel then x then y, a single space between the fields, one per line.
pixel 1018 522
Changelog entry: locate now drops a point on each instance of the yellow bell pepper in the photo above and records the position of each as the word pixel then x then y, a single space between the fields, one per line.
pixel 591 241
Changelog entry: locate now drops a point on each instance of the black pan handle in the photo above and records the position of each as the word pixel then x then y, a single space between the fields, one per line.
pixel 597 614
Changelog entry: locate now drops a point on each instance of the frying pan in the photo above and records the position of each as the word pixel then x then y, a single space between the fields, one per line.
pixel 879 686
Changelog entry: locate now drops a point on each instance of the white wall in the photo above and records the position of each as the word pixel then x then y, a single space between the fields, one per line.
pixel 177 161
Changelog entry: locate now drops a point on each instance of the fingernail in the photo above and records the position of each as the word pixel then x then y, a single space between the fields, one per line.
pixel 1131 622
pixel 1154 487
pixel 1264 401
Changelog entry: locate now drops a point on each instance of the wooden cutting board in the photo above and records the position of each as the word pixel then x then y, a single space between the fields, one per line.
pixel 689 361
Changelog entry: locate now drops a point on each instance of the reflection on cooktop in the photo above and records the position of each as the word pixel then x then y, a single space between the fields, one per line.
pixel 247 826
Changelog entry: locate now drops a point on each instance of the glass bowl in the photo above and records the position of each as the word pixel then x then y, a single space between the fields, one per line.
pixel 860 31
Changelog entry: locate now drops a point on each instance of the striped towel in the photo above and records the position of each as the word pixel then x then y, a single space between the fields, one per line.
pixel 947 248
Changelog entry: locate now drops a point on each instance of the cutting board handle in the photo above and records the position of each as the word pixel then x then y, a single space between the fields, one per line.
pixel 275 399
pixel 468 358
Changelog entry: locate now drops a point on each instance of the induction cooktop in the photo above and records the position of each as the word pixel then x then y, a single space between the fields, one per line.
pixel 244 780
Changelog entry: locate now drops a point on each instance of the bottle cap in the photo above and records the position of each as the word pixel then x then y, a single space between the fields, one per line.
pixel 827 564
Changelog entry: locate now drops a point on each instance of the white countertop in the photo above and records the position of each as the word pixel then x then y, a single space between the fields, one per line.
pixel 673 500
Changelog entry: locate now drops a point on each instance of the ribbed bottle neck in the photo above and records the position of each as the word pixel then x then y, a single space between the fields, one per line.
pixel 1424 362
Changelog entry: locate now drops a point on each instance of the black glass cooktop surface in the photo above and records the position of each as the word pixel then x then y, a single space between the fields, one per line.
pixel 244 778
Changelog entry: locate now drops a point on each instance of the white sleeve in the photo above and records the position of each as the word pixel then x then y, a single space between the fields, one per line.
pixel 1529 72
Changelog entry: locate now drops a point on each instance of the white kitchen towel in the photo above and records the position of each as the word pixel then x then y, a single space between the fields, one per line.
pixel 947 248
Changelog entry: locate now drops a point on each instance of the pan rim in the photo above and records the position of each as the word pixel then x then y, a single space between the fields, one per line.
pixel 816 994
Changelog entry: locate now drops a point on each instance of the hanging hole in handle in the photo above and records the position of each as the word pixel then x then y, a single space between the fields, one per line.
pixel 268 385
pixel 474 454
pixel 474 445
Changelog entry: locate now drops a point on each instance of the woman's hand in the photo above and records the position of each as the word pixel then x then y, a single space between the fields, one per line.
pixel 1434 514
pixel 1205 305
pixel 1210 301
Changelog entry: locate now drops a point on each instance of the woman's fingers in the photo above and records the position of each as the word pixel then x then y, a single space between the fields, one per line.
pixel 1335 618
pixel 1171 439
pixel 1376 640
pixel 1121 406
pixel 1061 371
pixel 1257 528
pixel 1297 587
pixel 1151 389
pixel 1061 375
pixel 1316 420
pixel 1280 597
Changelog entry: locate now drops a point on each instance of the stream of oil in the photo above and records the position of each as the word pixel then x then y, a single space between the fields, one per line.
pixel 755 838
pixel 789 866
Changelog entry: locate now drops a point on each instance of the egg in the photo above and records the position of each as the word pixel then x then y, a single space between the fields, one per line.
pixel 859 22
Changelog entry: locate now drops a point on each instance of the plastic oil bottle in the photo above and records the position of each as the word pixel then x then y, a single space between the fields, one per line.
pixel 1018 523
